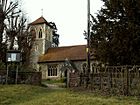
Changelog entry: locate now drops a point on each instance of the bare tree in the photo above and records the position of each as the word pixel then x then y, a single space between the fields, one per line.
pixel 7 8
pixel 25 42
pixel 13 28
pixel 17 33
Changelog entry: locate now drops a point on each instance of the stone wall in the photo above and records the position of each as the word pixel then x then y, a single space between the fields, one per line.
pixel 2 76
pixel 74 79
pixel 115 80
pixel 44 68
pixel 33 78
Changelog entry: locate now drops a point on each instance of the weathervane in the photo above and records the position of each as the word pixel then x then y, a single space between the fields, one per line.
pixel 42 12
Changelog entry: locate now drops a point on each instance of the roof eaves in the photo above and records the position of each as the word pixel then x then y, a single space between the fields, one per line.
pixel 60 61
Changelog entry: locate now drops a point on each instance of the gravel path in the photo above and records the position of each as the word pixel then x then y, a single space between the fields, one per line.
pixel 53 86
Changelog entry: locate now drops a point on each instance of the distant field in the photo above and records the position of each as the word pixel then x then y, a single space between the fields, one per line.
pixel 34 95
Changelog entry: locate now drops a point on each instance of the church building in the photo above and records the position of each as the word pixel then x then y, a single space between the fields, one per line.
pixel 50 59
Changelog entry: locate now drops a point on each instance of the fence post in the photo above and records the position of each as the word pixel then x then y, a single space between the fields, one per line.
pixel 7 73
pixel 127 81
pixel 16 75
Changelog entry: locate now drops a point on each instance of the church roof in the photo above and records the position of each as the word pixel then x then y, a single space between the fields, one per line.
pixel 40 20
pixel 58 54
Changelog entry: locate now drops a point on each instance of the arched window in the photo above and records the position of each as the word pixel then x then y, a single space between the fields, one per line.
pixel 40 33
pixel 52 70
pixel 95 68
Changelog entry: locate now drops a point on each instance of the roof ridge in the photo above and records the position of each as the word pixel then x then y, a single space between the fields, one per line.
pixel 39 20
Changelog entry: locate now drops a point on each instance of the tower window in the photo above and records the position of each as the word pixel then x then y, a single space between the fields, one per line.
pixel 40 33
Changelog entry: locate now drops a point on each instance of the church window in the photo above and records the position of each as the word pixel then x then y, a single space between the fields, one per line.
pixel 40 33
pixel 95 68
pixel 52 70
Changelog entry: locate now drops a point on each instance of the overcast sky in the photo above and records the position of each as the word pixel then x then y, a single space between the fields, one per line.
pixel 70 17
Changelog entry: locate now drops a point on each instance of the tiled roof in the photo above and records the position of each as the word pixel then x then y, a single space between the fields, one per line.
pixel 39 21
pixel 61 53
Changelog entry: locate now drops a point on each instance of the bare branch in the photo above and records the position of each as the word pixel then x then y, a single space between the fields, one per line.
pixel 5 5
pixel 11 8
pixel 16 20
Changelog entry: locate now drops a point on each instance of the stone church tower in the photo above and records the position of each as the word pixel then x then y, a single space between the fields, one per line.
pixel 43 32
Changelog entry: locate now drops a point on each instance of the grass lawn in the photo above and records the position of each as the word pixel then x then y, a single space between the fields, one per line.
pixel 35 95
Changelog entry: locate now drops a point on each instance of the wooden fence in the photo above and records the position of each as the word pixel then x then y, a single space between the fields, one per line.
pixel 117 80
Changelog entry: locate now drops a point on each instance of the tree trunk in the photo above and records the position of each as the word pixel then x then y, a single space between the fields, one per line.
pixel 2 18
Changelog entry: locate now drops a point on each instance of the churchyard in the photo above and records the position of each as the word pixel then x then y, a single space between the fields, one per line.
pixel 37 95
